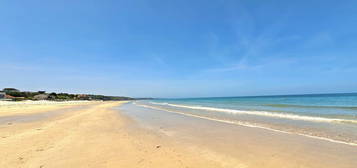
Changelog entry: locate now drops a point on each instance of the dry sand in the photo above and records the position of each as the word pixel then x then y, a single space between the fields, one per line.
pixel 9 108
pixel 95 136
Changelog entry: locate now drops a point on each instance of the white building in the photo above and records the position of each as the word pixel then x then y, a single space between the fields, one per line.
pixel 2 95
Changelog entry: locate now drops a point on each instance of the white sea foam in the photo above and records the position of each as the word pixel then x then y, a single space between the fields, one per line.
pixel 250 125
pixel 262 113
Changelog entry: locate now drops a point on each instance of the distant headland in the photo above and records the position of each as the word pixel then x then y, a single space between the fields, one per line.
pixel 12 94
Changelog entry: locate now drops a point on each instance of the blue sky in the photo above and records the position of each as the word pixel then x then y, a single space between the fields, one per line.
pixel 183 48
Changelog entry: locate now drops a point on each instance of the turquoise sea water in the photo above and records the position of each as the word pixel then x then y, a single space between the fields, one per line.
pixel 332 116
pixel 325 105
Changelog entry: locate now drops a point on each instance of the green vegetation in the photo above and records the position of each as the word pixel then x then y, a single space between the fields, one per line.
pixel 18 95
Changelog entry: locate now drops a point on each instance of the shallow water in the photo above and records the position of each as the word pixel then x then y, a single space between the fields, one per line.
pixel 251 146
pixel 329 116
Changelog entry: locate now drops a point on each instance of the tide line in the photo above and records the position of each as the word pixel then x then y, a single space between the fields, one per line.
pixel 250 125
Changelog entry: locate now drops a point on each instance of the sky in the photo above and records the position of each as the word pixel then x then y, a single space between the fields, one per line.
pixel 179 48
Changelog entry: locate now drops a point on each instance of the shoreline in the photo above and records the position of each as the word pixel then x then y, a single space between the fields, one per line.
pixel 120 134
pixel 249 146
pixel 255 126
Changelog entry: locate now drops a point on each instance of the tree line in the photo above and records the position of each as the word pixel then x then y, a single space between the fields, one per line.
pixel 15 94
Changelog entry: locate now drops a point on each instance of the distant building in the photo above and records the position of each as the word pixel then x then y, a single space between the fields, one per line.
pixel 9 97
pixel 41 97
pixel 2 95
pixel 83 97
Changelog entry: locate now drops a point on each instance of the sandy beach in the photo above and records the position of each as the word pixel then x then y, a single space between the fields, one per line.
pixel 178 84
pixel 118 134
pixel 92 136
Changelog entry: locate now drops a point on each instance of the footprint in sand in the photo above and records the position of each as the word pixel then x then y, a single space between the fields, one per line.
pixel 39 150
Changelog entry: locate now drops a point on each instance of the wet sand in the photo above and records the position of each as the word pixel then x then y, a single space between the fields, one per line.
pixel 244 146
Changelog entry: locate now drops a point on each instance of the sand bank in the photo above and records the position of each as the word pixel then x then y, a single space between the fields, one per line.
pixel 92 137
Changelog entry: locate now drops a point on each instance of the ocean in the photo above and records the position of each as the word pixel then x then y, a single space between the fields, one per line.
pixel 331 117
